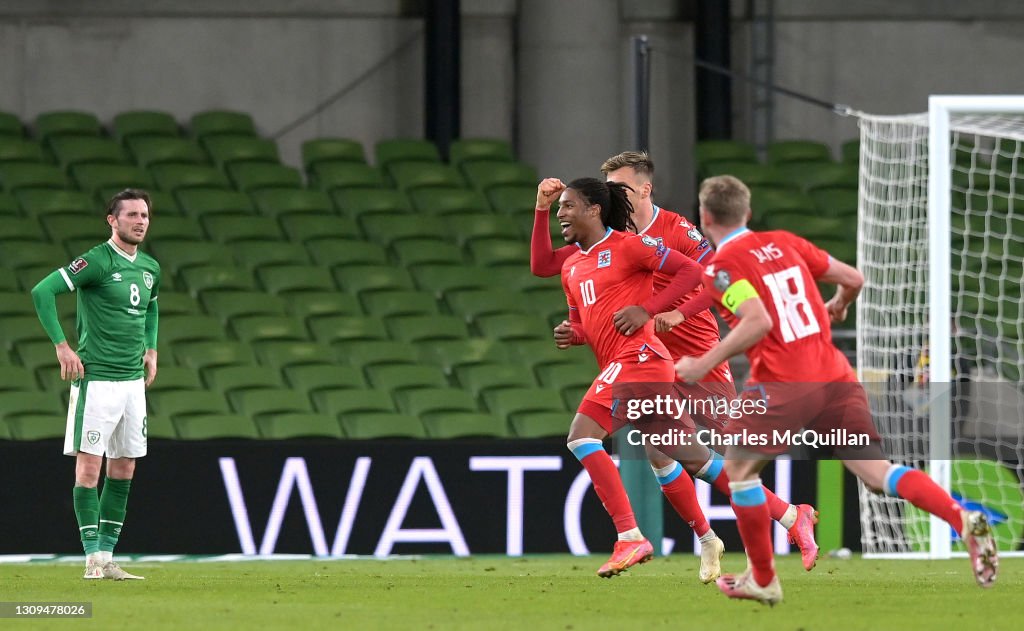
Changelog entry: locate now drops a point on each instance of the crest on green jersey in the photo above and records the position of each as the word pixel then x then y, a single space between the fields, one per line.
pixel 148 279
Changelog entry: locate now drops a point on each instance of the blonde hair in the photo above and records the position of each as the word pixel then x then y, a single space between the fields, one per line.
pixel 639 161
pixel 726 198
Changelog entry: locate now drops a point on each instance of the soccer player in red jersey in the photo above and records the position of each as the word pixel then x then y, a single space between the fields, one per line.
pixel 608 283
pixel 692 330
pixel 764 284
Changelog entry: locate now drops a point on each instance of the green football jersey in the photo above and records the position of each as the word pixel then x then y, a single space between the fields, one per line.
pixel 114 292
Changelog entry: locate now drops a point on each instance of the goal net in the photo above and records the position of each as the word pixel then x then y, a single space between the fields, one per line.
pixel 939 330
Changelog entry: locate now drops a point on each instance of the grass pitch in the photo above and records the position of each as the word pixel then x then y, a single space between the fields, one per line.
pixel 534 593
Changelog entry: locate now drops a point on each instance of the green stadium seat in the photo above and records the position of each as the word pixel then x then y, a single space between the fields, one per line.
pixel 311 378
pixel 175 177
pixel 750 174
pixel 16 378
pixel 405 149
pixel 451 354
pixel 16 255
pixel 258 328
pixel 177 403
pixel 254 255
pixel 797 150
pixel 176 255
pixel 76 226
pixel 281 354
pixel 472 304
pixel 185 328
pixel 446 425
pixel 479 378
pixel 441 201
pixel 131 124
pixel 306 227
pixel 485 174
pixel 9 206
pixel 214 122
pixel 169 377
pixel 10 125
pixel 541 424
pixel 724 150
pixel 230 229
pixel 508 403
pixel 37 426
pixel 265 401
pixel 491 252
pixel 335 402
pixel 370 353
pixel 283 202
pixel 808 226
pixel 210 354
pixel 463 149
pixel 565 378
pixel 397 377
pixel 334 251
pixel 810 175
pixel 150 151
pixel 253 176
pixel 534 353
pixel 442 279
pixel 835 201
pixel 513 199
pixel 536 288
pixel 343 176
pixel 207 202
pixel 386 229
pixel 356 279
pixel 467 227
pixel 93 177
pixel 29 276
pixel 330 329
pixel 174 228
pixel 227 305
pixel 313 305
pixel 421 401
pixel 160 427
pixel 15 176
pixel 768 201
pixel 202 278
pixel 412 253
pixel 72 150
pixel 9 281
pixel 215 426
pixel 16 303
pixel 357 202
pixel 298 425
pixel 331 150
pixel 369 425
pixel 422 328
pixel 396 302
pixel 226 149
pixel 18 403
pixel 284 279
pixel 513 326
pixel 16 149
pixel 850 152
pixel 842 249
pixel 67 122
pixel 408 176
pixel 159 202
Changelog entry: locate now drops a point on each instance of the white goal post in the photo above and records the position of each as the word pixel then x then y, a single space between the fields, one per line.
pixel 939 327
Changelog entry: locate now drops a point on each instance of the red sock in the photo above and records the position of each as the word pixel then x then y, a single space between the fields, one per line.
pixel 920 490
pixel 608 486
pixel 755 529
pixel 776 507
pixel 683 497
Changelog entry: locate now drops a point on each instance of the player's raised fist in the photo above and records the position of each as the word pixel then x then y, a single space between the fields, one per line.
pixel 664 322
pixel 548 191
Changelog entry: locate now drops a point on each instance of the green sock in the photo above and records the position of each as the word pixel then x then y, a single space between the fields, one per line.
pixel 87 510
pixel 113 503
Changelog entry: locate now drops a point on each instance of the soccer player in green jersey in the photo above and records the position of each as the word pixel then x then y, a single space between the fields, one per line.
pixel 117 287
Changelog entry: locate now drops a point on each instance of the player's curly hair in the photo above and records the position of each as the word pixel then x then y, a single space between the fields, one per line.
pixel 616 211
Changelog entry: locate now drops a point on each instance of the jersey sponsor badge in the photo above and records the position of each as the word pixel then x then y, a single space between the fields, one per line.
pixel 148 279
pixel 694 234
pixel 650 242
pixel 116 277
pixel 604 258
pixel 722 280
pixel 78 265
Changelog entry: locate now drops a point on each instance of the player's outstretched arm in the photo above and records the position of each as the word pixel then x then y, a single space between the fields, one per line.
pixel 848 281
pixel 754 324
pixel 545 261
pixel 44 297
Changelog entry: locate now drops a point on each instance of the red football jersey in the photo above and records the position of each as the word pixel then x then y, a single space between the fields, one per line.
pixel 780 268
pixel 616 272
pixel 698 333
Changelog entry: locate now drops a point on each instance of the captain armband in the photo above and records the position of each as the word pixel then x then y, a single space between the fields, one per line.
pixel 738 293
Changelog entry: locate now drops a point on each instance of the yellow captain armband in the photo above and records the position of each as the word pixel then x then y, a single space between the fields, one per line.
pixel 738 293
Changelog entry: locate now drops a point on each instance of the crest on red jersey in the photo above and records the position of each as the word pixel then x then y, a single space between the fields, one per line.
pixel 650 242
pixel 694 234
pixel 604 258
pixel 722 280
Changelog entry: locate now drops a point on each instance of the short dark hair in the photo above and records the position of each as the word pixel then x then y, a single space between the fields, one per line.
pixel 616 211
pixel 114 205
